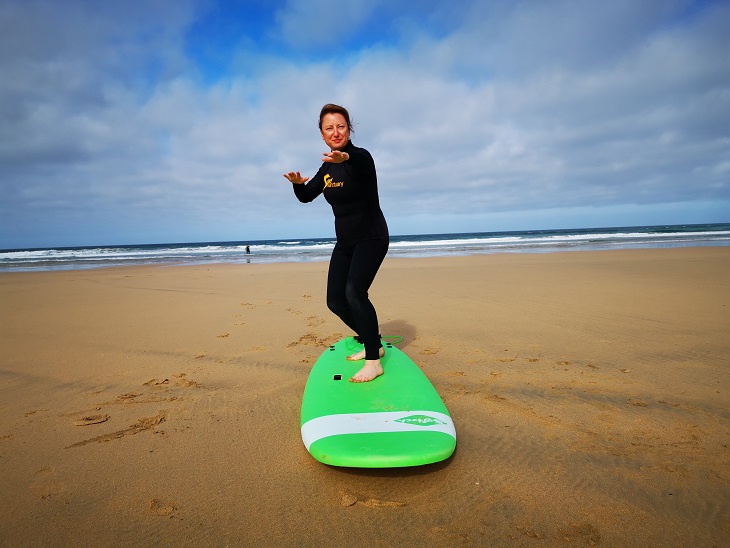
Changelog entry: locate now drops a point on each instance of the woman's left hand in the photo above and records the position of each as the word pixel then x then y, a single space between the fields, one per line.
pixel 335 157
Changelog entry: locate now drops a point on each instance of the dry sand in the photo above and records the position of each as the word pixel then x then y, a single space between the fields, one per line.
pixel 160 405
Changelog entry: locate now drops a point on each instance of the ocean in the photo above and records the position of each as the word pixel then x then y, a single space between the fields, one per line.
pixel 319 249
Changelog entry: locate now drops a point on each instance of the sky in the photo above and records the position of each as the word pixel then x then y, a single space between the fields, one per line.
pixel 161 121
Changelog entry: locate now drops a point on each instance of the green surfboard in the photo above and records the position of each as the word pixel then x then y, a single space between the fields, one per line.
pixel 395 420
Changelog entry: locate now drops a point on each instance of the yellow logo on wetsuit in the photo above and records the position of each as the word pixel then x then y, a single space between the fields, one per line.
pixel 329 184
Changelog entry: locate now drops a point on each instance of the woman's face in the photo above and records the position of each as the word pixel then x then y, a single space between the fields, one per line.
pixel 335 131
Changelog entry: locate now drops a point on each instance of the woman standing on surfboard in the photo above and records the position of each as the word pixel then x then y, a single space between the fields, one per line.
pixel 349 183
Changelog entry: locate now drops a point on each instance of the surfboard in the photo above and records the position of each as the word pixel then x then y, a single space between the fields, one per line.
pixel 395 420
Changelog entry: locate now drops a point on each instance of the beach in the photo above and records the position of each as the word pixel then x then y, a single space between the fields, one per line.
pixel 158 405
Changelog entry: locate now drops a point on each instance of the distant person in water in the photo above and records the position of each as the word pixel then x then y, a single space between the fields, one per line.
pixel 349 183
pixel 248 250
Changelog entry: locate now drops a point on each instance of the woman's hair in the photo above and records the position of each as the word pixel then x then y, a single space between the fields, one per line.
pixel 329 108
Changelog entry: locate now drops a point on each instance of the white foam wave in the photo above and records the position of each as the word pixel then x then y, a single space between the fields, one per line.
pixel 319 249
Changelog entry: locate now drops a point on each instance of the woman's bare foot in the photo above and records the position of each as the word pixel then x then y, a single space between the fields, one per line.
pixel 369 371
pixel 357 356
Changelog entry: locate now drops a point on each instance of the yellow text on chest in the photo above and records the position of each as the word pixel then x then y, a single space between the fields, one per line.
pixel 329 183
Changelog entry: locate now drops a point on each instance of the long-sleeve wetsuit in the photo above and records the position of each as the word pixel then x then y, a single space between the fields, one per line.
pixel 351 188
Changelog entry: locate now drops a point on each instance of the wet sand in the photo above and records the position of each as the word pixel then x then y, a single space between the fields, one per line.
pixel 160 405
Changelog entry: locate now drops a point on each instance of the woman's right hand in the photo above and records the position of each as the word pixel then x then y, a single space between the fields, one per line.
pixel 296 178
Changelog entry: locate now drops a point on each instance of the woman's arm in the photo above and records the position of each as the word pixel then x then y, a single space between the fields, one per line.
pixel 306 192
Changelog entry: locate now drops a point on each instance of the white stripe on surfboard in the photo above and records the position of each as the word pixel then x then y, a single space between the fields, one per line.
pixel 373 423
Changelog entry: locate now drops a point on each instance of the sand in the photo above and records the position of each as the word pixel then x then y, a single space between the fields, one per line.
pixel 160 405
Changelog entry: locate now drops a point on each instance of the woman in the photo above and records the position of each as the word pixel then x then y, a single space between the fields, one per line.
pixel 348 181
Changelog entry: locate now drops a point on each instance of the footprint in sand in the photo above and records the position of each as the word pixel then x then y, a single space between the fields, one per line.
pixel 46 484
pixel 430 351
pixel 314 321
pixel 582 532
pixel 155 382
pixel 376 503
pixel 163 508
pixel 348 499
pixel 31 413
pixel 145 423
pixel 309 339
pixel 92 419
pixel 180 381
pixel 185 383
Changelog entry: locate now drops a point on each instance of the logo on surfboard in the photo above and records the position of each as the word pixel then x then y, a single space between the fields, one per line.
pixel 420 420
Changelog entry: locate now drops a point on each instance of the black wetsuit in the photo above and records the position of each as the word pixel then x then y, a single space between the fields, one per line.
pixel 351 188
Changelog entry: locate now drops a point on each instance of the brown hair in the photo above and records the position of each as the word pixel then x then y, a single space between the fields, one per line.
pixel 329 108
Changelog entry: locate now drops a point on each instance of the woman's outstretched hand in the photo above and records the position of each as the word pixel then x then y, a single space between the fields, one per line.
pixel 296 177
pixel 335 157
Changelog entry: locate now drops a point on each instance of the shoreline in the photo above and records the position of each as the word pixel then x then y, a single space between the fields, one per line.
pixel 589 390
pixel 252 259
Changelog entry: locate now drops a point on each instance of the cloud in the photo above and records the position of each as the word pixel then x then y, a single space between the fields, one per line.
pixel 322 23
pixel 107 129
pixel 625 129
pixel 68 69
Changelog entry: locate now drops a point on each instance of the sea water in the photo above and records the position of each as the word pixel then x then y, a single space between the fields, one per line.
pixel 319 249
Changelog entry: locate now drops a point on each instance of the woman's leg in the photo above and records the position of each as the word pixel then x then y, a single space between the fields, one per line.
pixel 339 270
pixel 351 273
pixel 367 257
